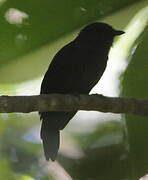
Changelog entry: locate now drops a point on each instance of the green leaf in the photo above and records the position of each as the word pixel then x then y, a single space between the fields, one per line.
pixel 135 84
pixel 28 25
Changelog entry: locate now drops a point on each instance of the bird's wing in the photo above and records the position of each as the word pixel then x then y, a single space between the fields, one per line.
pixel 61 73
pixel 58 80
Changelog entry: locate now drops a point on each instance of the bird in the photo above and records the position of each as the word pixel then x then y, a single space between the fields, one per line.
pixel 75 69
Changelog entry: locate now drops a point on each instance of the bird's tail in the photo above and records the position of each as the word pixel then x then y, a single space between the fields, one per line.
pixel 51 140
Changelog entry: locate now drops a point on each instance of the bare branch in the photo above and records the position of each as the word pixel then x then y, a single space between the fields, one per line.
pixel 58 102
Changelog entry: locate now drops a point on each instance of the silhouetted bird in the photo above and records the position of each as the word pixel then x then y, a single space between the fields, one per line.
pixel 75 69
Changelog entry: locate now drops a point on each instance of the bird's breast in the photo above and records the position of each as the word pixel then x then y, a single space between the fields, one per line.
pixel 89 69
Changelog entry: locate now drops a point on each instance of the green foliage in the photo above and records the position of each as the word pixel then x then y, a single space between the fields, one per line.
pixel 46 20
pixel 135 84
pixel 40 23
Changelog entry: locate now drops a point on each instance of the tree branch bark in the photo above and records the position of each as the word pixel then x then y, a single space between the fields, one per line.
pixel 59 102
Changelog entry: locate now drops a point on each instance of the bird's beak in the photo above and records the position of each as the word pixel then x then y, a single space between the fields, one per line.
pixel 116 32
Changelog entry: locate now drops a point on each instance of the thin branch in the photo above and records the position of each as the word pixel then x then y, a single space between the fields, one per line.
pixel 58 102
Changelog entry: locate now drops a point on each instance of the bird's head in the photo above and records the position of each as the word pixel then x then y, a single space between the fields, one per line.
pixel 98 32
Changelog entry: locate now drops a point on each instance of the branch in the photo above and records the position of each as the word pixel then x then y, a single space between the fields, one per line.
pixel 58 102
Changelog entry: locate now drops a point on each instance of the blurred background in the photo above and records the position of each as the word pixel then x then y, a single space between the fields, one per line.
pixel 94 145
